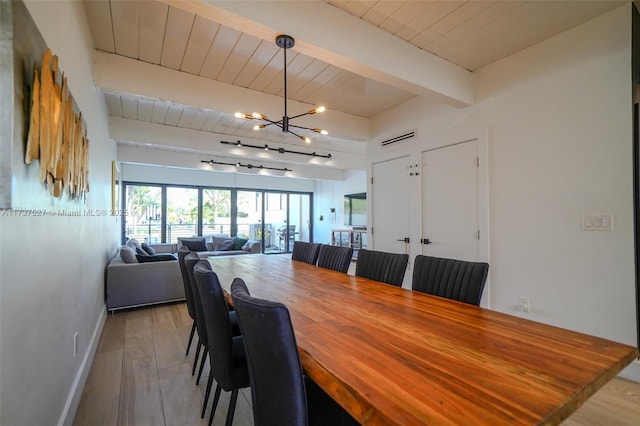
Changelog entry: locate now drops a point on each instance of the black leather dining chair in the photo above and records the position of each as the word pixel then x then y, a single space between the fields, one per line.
pixel 337 258
pixel 188 294
pixel 281 395
pixel 382 266
pixel 305 252
pixel 191 260
pixel 227 356
pixel 451 278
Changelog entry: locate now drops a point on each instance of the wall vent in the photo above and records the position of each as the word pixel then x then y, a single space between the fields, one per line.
pixel 405 136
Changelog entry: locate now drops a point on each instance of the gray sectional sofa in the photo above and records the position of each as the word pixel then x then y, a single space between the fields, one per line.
pixel 219 245
pixel 134 277
pixel 129 284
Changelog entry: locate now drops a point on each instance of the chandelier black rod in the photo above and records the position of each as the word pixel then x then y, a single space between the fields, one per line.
pixel 280 150
pixel 285 118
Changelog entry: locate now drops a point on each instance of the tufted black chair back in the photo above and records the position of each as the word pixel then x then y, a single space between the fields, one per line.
pixel 277 384
pixel 335 257
pixel 305 252
pixel 381 266
pixel 454 279
pixel 226 352
pixel 188 292
pixel 280 393
pixel 190 261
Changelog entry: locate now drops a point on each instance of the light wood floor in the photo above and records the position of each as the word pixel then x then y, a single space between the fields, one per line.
pixel 140 376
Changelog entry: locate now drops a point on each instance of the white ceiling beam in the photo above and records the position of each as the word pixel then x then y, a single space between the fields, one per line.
pixel 120 74
pixel 159 157
pixel 207 144
pixel 331 35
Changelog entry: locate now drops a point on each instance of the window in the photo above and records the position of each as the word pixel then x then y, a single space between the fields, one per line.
pixel 182 213
pixel 144 204
pixel 216 211
pixel 162 213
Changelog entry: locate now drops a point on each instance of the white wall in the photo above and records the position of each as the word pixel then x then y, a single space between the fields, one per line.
pixel 180 176
pixel 51 267
pixel 559 122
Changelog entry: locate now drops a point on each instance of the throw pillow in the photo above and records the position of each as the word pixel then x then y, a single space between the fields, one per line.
pixel 134 243
pixel 247 246
pixel 128 255
pixel 195 244
pixel 146 247
pixel 238 243
pixel 141 252
pixel 156 257
pixel 226 245
pixel 217 240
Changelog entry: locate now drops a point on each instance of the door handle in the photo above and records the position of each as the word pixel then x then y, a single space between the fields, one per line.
pixel 425 241
pixel 406 240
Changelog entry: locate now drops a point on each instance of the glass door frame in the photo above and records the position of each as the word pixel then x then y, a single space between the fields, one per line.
pixel 233 207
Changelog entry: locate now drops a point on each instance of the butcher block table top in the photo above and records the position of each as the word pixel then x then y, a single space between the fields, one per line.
pixel 392 356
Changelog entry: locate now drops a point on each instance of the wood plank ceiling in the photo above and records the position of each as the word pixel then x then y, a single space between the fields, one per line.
pixel 470 34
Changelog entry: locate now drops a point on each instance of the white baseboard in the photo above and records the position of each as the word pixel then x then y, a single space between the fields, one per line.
pixel 632 372
pixel 73 400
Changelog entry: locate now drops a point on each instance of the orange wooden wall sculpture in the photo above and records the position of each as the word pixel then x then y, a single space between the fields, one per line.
pixel 57 135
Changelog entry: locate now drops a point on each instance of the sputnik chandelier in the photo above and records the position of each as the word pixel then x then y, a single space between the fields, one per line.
pixel 285 42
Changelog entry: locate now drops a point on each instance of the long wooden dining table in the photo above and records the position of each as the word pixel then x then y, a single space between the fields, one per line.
pixel 392 356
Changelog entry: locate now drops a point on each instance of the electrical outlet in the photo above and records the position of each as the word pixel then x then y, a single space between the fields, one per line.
pixel 524 304
pixel 75 343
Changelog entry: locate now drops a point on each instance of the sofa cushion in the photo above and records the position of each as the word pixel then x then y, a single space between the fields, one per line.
pixel 216 240
pixel 226 245
pixel 134 244
pixel 128 254
pixel 195 244
pixel 238 243
pixel 146 247
pixel 141 252
pixel 156 257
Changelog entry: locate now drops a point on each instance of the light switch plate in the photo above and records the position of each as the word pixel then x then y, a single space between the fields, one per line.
pixel 597 222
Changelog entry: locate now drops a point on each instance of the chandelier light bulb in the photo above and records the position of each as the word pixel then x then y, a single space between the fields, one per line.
pixel 306 139
pixel 256 127
pixel 320 109
pixel 239 115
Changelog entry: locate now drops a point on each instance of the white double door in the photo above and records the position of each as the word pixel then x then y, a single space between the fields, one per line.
pixel 434 200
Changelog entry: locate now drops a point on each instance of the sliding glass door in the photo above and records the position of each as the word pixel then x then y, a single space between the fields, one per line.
pixel 249 215
pixel 182 213
pixel 144 207
pixel 275 215
pixel 289 214
pixel 216 211
pixel 162 213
